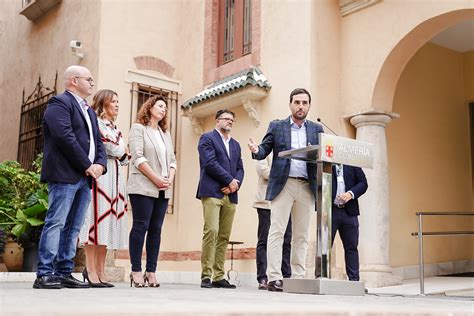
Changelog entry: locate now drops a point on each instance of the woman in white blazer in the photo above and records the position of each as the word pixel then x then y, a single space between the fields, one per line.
pixel 152 171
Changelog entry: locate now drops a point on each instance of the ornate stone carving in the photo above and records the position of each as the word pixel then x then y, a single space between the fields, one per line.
pixel 249 98
pixel 350 6
pixel 252 107
pixel 196 123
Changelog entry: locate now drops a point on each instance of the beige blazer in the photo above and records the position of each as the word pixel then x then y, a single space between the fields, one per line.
pixel 263 171
pixel 144 148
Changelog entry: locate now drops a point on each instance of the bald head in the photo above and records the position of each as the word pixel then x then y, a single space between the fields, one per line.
pixel 78 79
pixel 75 71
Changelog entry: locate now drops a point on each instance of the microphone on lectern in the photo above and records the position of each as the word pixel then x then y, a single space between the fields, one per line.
pixel 320 121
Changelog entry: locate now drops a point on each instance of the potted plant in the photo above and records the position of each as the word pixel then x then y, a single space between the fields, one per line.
pixel 23 205
pixel 2 247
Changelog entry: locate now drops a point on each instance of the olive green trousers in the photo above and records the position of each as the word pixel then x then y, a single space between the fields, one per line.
pixel 218 218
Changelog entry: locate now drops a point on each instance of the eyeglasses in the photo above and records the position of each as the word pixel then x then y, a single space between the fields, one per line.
pixel 227 119
pixel 89 79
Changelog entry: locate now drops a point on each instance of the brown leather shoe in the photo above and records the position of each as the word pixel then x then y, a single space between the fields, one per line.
pixel 275 286
pixel 262 284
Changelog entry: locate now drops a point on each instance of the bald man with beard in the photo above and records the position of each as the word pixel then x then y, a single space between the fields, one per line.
pixel 73 155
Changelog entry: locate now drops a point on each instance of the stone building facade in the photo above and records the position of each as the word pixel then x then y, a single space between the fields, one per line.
pixel 389 72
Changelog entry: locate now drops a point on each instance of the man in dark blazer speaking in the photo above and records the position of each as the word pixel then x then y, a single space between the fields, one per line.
pixel 348 184
pixel 291 187
pixel 73 155
pixel 221 176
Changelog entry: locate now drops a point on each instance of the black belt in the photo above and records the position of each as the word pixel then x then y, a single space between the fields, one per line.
pixel 340 205
pixel 298 178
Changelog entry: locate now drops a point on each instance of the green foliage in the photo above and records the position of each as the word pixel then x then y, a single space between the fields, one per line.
pixel 23 199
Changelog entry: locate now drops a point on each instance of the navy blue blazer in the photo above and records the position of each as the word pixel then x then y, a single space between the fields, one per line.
pixel 66 141
pixel 217 169
pixel 278 138
pixel 355 181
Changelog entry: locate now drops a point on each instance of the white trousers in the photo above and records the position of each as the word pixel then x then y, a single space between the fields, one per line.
pixel 295 199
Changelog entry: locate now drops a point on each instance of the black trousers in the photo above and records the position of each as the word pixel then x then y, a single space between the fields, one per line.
pixel 262 234
pixel 348 227
pixel 148 216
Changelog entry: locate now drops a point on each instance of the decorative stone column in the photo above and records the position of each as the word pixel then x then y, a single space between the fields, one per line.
pixel 374 221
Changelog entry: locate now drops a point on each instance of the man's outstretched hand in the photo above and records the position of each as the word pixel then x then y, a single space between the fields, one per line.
pixel 252 146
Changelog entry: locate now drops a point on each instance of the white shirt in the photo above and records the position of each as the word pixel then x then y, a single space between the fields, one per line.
pixel 226 142
pixel 83 104
pixel 298 168
pixel 341 185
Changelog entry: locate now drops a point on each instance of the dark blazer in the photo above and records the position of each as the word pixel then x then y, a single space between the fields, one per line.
pixel 66 141
pixel 355 181
pixel 278 138
pixel 217 169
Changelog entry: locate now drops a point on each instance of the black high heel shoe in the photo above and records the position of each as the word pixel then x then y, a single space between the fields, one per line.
pixel 136 284
pixel 85 276
pixel 145 278
pixel 107 284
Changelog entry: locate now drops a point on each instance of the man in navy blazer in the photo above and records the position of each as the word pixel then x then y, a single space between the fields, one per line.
pixel 291 188
pixel 221 176
pixel 73 155
pixel 348 184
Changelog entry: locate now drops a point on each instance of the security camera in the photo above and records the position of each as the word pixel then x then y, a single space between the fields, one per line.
pixel 76 47
pixel 75 44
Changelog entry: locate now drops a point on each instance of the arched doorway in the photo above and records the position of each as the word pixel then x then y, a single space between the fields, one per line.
pixel 429 153
pixel 385 239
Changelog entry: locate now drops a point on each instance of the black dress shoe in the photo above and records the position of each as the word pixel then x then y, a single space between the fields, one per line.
pixel 262 284
pixel 72 283
pixel 224 284
pixel 206 283
pixel 275 286
pixel 47 282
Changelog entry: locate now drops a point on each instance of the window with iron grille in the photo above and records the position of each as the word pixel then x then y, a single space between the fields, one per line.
pixel 31 138
pixel 235 29
pixel 141 93
pixel 247 49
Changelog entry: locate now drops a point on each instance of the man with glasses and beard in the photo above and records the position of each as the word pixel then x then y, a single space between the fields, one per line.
pixel 221 176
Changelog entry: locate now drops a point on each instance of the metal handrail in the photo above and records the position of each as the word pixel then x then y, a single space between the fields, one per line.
pixel 421 233
pixel 446 213
pixel 446 233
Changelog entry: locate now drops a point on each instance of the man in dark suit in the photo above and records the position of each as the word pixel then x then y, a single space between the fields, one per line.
pixel 348 184
pixel 73 154
pixel 221 176
pixel 291 187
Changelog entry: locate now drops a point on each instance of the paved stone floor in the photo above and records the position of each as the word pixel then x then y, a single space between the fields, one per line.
pixel 19 299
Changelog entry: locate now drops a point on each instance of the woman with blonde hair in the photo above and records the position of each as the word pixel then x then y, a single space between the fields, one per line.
pixel 152 171
pixel 106 224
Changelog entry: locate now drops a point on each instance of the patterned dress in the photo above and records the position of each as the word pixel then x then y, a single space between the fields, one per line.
pixel 106 219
